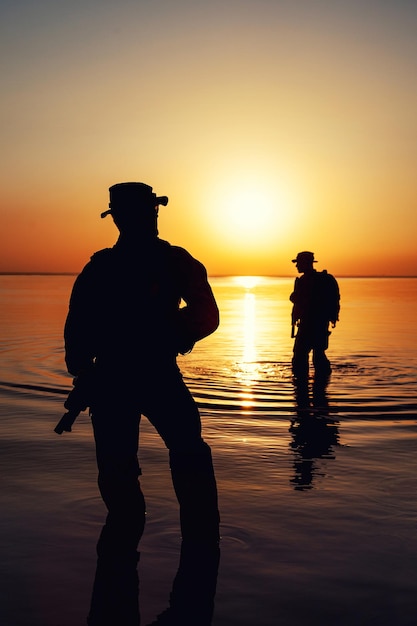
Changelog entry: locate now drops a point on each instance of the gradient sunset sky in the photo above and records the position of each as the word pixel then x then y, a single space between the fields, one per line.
pixel 273 126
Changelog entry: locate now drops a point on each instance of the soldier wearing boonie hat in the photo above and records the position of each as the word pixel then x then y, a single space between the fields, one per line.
pixel 306 257
pixel 125 328
pixel 133 196
pixel 316 303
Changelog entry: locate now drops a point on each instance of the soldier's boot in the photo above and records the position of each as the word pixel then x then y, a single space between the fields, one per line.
pixel 126 516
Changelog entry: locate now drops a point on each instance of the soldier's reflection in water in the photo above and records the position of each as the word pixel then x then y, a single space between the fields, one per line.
pixel 194 587
pixel 314 433
pixel 115 596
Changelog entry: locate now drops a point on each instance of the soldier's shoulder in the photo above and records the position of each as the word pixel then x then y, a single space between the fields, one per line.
pixel 181 254
pixel 98 260
pixel 171 252
pixel 185 262
pixel 100 255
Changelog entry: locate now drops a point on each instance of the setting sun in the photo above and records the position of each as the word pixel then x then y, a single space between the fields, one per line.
pixel 251 211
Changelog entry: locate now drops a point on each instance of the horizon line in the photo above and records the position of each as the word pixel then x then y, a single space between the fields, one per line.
pixel 226 275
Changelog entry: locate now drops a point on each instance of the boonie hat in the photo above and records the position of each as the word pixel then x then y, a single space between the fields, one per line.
pixel 133 194
pixel 304 256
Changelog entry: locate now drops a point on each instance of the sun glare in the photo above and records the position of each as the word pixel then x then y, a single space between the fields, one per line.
pixel 248 282
pixel 251 214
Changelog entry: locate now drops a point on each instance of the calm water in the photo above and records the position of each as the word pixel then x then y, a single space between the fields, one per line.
pixel 320 509
pixel 244 366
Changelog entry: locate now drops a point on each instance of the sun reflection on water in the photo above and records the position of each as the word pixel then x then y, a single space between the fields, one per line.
pixel 249 360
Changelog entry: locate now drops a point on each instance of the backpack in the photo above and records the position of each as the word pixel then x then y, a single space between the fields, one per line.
pixel 327 293
pixel 315 297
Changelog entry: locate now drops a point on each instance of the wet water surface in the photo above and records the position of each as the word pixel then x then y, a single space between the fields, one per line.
pixel 317 490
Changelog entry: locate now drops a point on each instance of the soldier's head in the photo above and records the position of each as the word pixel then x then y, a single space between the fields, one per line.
pixel 134 208
pixel 304 261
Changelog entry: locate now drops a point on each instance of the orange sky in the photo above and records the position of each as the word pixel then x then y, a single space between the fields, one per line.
pixel 273 127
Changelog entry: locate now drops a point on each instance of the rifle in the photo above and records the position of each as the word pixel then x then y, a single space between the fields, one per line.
pixel 76 402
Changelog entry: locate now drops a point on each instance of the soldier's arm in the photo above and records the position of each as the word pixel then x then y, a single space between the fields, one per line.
pixel 78 335
pixel 200 317
pixel 293 296
pixel 295 313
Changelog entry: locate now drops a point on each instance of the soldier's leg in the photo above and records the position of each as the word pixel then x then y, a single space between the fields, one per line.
pixel 321 363
pixel 116 433
pixel 115 594
pixel 321 342
pixel 174 414
pixel 196 490
pixel 301 351
pixel 191 600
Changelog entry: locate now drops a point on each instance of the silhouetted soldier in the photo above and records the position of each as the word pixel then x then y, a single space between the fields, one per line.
pixel 316 301
pixel 123 332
